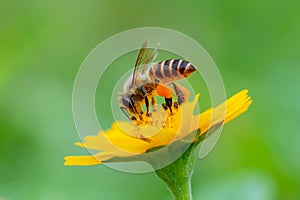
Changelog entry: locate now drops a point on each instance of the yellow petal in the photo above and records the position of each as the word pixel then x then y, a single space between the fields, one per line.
pixel 242 109
pixel 125 142
pixel 87 160
pixel 226 111
pixel 115 140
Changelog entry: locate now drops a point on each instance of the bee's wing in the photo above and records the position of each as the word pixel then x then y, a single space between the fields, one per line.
pixel 145 56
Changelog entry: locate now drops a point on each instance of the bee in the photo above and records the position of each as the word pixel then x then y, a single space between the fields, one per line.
pixel 149 80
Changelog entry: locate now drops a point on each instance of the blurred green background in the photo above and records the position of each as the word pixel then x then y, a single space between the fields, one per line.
pixel 255 45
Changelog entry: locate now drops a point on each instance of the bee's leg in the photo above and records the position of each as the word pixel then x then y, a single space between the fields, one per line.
pixel 166 92
pixel 153 102
pixel 181 92
pixel 138 111
pixel 144 92
pixel 147 105
pixel 169 103
pixel 134 107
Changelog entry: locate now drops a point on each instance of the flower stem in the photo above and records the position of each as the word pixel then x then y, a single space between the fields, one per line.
pixel 177 175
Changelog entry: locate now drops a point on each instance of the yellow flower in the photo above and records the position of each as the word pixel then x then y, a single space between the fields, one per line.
pixel 127 139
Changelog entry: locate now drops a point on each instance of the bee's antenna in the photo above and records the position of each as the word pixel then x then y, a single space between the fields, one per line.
pixel 125 112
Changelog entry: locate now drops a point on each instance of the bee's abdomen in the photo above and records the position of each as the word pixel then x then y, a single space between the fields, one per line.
pixel 171 70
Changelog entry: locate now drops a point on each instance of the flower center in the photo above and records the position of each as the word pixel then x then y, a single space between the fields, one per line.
pixel 162 118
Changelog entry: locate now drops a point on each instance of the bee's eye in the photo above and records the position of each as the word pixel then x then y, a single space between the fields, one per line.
pixel 126 101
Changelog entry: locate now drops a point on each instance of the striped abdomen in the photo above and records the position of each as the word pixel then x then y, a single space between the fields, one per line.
pixel 171 70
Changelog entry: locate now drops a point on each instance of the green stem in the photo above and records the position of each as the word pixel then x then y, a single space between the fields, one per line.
pixel 177 175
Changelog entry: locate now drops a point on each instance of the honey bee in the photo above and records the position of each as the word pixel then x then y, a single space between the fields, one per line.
pixel 149 80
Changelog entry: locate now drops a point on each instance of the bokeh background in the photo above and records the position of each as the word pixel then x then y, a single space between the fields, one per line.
pixel 254 43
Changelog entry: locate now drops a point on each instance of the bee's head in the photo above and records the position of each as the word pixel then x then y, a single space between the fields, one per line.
pixel 128 103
